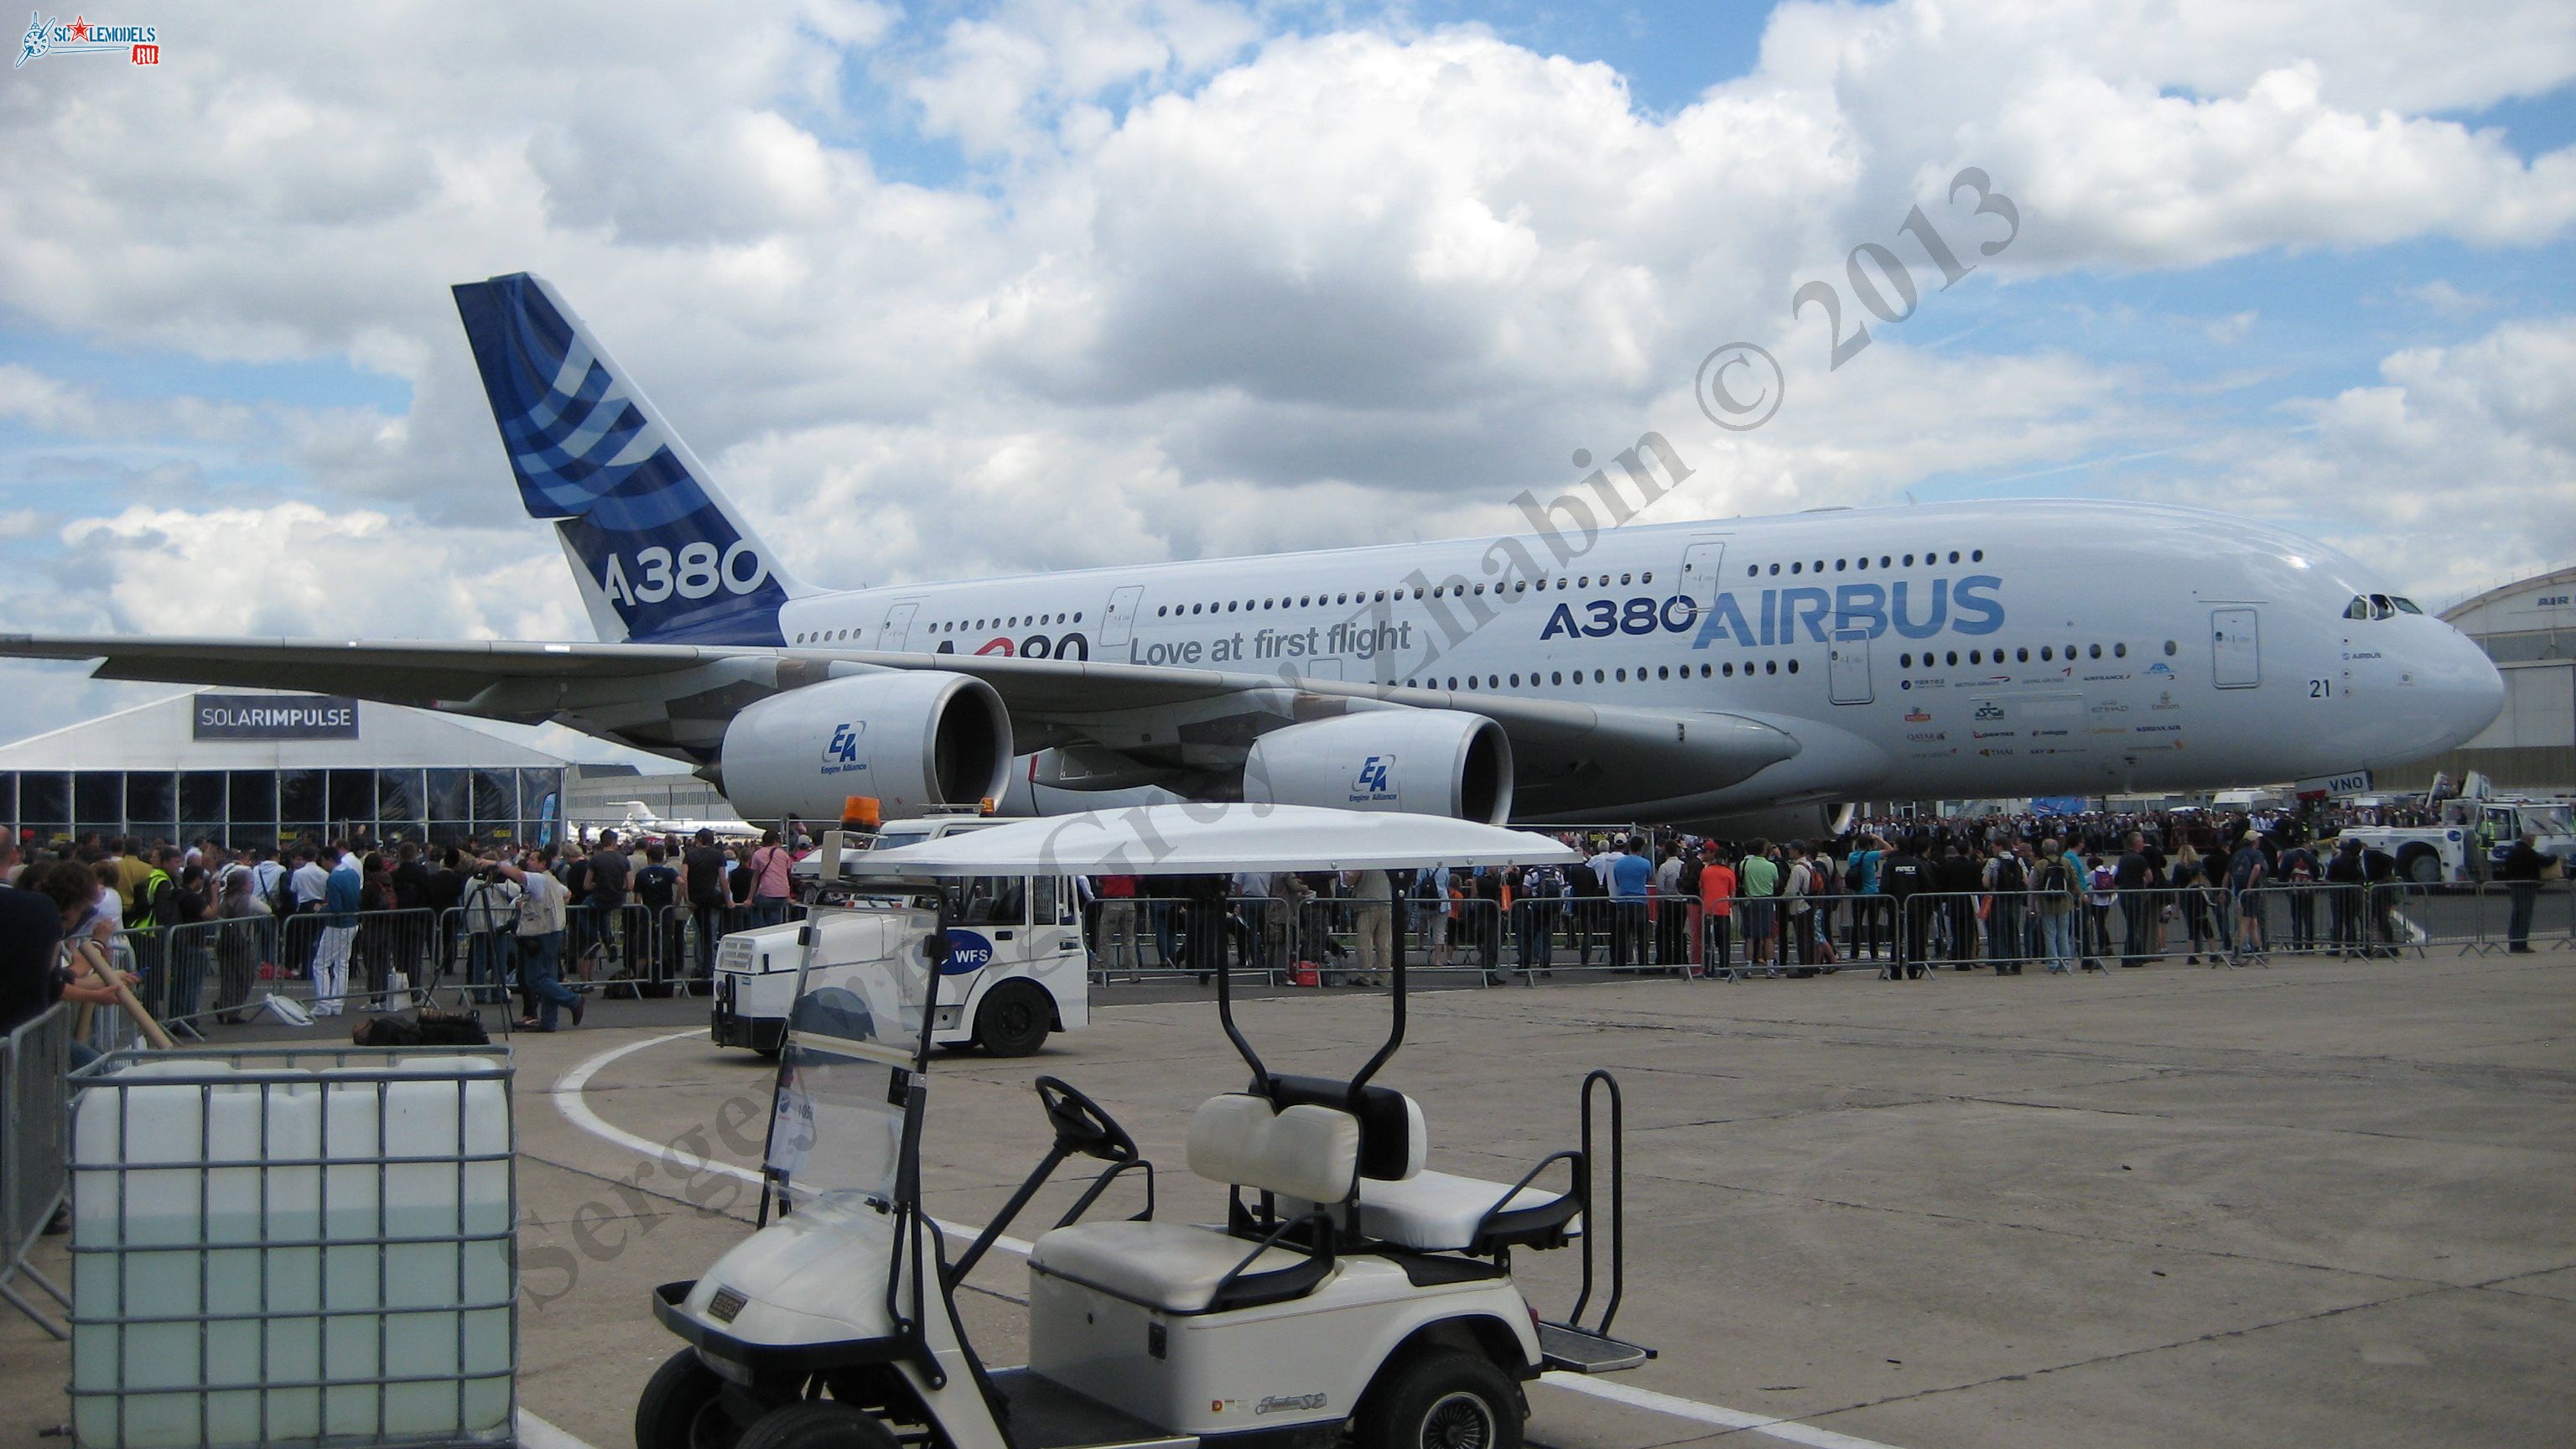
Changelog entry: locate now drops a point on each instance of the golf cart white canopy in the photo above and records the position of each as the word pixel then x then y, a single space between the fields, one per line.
pixel 1198 839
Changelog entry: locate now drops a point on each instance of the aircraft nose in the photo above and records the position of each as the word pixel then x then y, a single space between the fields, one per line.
pixel 2471 690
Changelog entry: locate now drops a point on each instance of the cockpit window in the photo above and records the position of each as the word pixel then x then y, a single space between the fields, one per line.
pixel 2359 608
pixel 2404 605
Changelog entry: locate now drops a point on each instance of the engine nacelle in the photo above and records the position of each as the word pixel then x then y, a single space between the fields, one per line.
pixel 1780 824
pixel 1426 761
pixel 912 739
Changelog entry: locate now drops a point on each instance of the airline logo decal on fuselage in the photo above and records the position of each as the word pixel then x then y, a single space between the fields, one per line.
pixel 1794 615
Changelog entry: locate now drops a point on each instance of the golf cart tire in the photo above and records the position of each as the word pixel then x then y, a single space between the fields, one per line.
pixel 816 1424
pixel 1014 1019
pixel 673 1410
pixel 2421 866
pixel 1421 1400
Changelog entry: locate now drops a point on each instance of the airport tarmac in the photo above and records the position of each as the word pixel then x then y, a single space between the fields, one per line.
pixel 2323 1203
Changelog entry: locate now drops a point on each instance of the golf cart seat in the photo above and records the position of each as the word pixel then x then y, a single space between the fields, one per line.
pixel 1406 1206
pixel 1239 1140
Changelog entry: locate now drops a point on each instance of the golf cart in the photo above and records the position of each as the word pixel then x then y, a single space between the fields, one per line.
pixel 1348 1290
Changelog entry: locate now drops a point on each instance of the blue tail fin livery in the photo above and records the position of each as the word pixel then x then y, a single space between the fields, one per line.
pixel 662 556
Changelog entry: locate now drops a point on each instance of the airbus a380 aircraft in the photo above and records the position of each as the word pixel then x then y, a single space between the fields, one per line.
pixel 1738 674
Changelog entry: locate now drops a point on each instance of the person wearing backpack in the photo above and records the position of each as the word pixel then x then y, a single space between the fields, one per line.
pixel 2007 882
pixel 2299 874
pixel 2057 894
pixel 2247 872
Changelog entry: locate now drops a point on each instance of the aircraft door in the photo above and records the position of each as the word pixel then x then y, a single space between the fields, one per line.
pixel 898 625
pixel 1118 621
pixel 2236 660
pixel 1847 669
pixel 1700 580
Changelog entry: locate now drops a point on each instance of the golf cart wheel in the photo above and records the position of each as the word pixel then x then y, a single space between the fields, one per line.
pixel 817 1424
pixel 2423 867
pixel 1014 1019
pixel 1444 1399
pixel 682 1407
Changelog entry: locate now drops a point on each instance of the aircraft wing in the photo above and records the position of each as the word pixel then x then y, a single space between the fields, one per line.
pixel 675 699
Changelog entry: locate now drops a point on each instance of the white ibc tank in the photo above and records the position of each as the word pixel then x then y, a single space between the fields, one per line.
pixel 264 1253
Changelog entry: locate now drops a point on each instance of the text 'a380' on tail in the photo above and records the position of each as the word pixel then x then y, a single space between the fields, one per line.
pixel 663 557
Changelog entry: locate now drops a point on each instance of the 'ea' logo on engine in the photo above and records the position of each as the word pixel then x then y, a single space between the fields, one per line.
pixel 1375 780
pixel 843 751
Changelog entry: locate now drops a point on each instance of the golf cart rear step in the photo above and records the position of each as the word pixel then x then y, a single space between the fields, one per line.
pixel 1047 1415
pixel 1576 1350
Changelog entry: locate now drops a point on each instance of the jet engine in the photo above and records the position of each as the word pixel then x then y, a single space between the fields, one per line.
pixel 1780 823
pixel 1427 761
pixel 911 739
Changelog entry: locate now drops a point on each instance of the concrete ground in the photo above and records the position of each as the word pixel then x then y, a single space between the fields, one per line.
pixel 2326 1203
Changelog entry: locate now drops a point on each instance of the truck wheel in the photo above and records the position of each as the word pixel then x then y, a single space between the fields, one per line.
pixel 1014 1019
pixel 2422 867
pixel 1444 1399
pixel 682 1407
pixel 816 1424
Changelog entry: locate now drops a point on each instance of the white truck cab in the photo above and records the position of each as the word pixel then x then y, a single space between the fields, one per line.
pixel 1017 968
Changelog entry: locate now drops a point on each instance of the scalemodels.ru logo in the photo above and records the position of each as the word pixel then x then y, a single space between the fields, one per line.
pixel 139 43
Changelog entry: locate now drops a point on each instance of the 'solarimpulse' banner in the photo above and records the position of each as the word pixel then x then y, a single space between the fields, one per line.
pixel 275 717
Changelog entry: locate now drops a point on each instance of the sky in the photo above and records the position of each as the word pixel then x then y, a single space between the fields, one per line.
pixel 955 289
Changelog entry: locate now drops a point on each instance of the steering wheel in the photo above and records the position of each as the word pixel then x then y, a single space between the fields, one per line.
pixel 1080 1124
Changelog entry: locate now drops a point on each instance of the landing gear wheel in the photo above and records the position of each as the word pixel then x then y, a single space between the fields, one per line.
pixel 682 1407
pixel 1014 1019
pixel 817 1424
pixel 1444 1399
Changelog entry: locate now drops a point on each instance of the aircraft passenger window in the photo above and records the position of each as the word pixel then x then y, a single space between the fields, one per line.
pixel 1471 681
pixel 1977 556
pixel 1793 666
pixel 1771 666
pixel 1453 681
pixel 1909 560
pixel 1555 677
pixel 2119 651
pixel 1752 569
pixel 1954 658
pixel 1820 565
pixel 1904 661
pixel 1381 596
pixel 1954 555
pixel 2095 651
pixel 2021 656
pixel 2404 605
pixel 1775 568
pixel 1795 567
pixel 1661 672
pixel 1840 564
pixel 1882 560
pixel 1648 577
pixel 1975 656
pixel 1623 578
pixel 2169 648
pixel 1596 677
pixel 1480 591
pixel 1623 676
pixel 1516 681
pixel 1728 671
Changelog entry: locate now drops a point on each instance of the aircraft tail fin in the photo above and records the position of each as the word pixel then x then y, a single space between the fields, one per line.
pixel 662 555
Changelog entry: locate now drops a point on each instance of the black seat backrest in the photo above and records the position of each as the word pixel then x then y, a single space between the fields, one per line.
pixel 1388 1121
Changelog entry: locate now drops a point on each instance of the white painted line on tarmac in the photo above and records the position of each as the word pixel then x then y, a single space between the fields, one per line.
pixel 576 1110
pixel 1697 1412
pixel 536 1433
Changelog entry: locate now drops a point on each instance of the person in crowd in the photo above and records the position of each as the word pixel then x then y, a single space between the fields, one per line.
pixel 542 904
pixel 1585 891
pixel 2057 902
pixel 769 884
pixel 2345 910
pixel 610 877
pixel 1757 879
pixel 657 890
pixel 41 968
pixel 1372 893
pixel 1121 949
pixel 490 907
pixel 1797 919
pixel 343 894
pixel 702 875
pixel 1905 878
pixel 243 914
pixel 1671 926
pixel 2522 870
pixel 1631 876
pixel 1957 876
pixel 1860 882
pixel 2007 883
pixel 2135 881
pixel 2248 872
pixel 1717 891
pixel 2298 878
pixel 2101 895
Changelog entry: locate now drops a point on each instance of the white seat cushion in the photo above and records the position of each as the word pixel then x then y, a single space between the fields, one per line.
pixel 1308 1152
pixel 1171 1266
pixel 1437 1212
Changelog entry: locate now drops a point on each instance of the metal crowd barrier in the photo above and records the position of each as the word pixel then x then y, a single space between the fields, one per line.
pixel 35 1171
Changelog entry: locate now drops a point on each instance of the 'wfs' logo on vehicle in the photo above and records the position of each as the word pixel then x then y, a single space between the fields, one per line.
pixel 842 754
pixel 1375 780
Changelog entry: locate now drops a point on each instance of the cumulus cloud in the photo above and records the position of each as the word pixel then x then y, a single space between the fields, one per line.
pixel 1205 283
